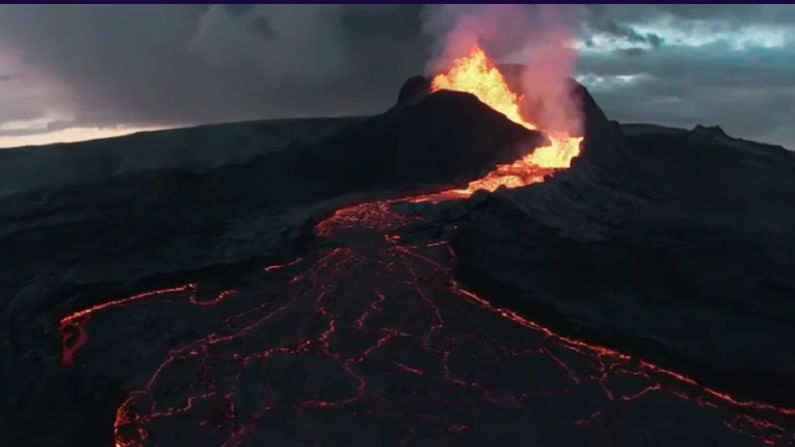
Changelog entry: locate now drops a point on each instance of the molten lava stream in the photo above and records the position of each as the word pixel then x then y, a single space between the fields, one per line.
pixel 477 74
pixel 369 331
pixel 373 342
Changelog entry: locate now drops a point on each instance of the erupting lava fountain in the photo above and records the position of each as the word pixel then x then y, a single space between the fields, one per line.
pixel 477 74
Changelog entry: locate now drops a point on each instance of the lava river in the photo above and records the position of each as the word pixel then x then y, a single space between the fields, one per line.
pixel 368 340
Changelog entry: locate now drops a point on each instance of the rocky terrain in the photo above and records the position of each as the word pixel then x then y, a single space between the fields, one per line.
pixel 298 296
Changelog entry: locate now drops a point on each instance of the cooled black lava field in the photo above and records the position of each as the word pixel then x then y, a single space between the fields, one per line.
pixel 319 293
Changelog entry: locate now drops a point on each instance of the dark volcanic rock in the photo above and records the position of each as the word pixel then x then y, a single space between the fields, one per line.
pixel 715 131
pixel 443 138
pixel 196 148
pixel 414 87
pixel 670 245
pixel 605 147
pixel 78 245
pixel 666 243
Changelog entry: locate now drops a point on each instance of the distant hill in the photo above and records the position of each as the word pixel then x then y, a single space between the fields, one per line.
pixel 196 148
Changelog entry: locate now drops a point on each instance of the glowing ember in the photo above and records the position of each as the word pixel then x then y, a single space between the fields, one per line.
pixel 477 74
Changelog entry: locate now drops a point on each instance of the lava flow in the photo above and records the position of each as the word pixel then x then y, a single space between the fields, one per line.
pixel 477 74
pixel 369 340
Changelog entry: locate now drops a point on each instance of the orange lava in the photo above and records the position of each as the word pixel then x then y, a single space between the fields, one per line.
pixel 477 74
pixel 72 326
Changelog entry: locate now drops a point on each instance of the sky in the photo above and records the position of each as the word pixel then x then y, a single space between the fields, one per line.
pixel 76 72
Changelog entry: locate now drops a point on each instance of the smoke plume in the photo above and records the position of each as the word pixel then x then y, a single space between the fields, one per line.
pixel 536 37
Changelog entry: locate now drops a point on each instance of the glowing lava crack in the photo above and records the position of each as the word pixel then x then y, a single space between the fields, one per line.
pixel 369 341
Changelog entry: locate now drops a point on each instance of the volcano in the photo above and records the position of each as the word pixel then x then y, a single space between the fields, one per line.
pixel 444 273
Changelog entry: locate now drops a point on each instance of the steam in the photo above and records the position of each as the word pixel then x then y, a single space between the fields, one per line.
pixel 538 38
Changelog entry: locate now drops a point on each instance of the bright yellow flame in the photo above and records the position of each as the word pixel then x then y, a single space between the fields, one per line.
pixel 477 74
pixel 559 153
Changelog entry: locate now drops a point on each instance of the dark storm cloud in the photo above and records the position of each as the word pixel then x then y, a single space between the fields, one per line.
pixel 730 65
pixel 114 61
pixel 683 86
pixel 166 65
pixel 183 64
pixel 615 29
pixel 726 13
